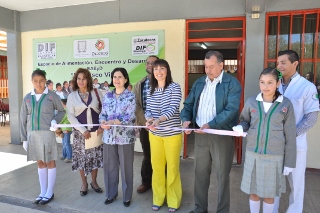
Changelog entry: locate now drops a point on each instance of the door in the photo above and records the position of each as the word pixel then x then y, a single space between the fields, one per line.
pixel 227 35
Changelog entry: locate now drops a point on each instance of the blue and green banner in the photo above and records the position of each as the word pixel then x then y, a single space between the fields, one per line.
pixel 60 57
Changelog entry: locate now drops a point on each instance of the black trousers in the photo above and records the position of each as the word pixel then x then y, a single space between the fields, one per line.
pixel 216 150
pixel 146 168
pixel 117 157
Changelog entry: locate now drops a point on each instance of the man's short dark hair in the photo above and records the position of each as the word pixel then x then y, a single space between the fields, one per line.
pixel 58 84
pixel 49 82
pixel 154 56
pixel 292 55
pixel 215 53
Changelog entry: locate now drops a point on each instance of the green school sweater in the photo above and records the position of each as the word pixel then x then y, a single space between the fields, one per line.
pixel 65 121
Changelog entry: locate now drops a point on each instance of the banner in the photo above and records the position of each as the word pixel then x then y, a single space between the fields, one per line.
pixel 60 57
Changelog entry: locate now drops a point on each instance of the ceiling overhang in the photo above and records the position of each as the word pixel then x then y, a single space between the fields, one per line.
pixel 27 5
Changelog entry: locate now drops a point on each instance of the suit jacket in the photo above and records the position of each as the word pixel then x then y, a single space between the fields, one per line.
pixel 228 94
pixel 138 90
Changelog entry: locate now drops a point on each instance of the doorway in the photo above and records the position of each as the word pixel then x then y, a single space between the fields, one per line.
pixel 4 93
pixel 226 35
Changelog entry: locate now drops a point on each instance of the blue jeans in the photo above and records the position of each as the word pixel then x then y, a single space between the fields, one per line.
pixel 67 149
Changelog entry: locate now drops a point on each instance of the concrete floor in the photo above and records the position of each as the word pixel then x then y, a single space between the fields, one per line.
pixel 20 187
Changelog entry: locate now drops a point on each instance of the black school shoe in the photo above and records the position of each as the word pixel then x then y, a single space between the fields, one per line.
pixel 46 200
pixel 107 201
pixel 126 203
pixel 37 200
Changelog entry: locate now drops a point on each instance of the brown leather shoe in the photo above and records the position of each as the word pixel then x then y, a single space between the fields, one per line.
pixel 143 188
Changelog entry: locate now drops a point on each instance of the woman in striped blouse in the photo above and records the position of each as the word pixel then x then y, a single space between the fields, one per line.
pixel 162 110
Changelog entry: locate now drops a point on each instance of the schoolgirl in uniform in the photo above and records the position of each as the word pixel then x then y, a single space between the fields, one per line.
pixel 37 116
pixel 271 142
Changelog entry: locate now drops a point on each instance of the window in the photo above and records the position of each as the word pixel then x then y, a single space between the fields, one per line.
pixel 3 67
pixel 3 77
pixel 230 66
pixel 195 66
pixel 299 31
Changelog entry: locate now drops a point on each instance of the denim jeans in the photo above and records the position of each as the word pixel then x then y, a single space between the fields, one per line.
pixel 67 149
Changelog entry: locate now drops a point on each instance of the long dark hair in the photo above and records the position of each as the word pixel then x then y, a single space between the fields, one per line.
pixel 87 75
pixel 277 75
pixel 154 81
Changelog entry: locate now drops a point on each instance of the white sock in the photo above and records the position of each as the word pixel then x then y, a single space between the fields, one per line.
pixel 43 179
pixel 51 181
pixel 254 206
pixel 267 208
pixel 276 204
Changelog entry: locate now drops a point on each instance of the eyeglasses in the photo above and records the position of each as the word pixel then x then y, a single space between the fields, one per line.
pixel 149 63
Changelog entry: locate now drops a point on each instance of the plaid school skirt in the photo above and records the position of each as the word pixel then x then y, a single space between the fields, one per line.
pixel 262 175
pixel 42 145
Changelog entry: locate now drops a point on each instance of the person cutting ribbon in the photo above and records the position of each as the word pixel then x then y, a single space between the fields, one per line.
pixel 163 102
pixel 271 143
pixel 213 103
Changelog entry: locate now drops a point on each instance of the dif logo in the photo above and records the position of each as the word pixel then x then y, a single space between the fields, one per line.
pixel 144 45
pixel 46 50
pixel 148 48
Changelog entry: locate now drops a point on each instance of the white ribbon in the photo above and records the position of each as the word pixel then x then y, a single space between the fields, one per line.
pixel 210 131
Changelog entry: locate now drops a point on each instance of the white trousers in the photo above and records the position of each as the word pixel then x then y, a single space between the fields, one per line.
pixel 297 181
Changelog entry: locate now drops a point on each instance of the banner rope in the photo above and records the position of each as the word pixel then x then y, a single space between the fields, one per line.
pixel 209 131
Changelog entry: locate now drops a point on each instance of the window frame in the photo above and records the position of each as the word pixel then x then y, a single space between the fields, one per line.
pixel 304 13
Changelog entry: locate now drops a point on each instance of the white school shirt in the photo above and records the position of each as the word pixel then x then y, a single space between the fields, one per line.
pixel 97 86
pixel 267 105
pixel 60 94
pixel 303 95
pixel 207 104
pixel 39 95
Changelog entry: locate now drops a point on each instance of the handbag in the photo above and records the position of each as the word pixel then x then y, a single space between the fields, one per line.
pixel 96 91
